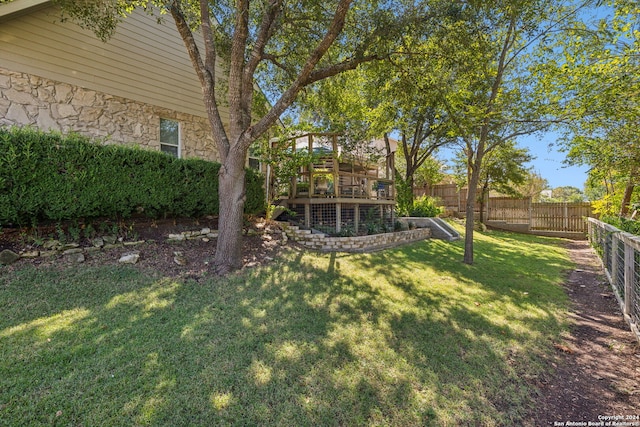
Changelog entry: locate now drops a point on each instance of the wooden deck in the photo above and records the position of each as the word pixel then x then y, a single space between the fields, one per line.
pixel 338 189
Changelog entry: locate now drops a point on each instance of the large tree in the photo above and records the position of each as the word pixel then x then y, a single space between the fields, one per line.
pixel 398 97
pixel 486 80
pixel 380 100
pixel 283 46
pixel 533 186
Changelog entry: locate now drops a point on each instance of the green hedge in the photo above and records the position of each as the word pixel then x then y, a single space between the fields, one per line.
pixel 47 176
pixel 629 225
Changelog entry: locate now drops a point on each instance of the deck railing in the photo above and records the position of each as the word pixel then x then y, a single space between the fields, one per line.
pixel 620 256
pixel 342 184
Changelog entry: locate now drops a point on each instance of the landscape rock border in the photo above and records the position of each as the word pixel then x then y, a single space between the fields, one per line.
pixel 74 252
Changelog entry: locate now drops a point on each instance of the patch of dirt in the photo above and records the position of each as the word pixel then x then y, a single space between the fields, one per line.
pixel 597 365
pixel 262 242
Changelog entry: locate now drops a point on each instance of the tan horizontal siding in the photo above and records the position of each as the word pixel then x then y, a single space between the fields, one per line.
pixel 144 61
pixel 95 61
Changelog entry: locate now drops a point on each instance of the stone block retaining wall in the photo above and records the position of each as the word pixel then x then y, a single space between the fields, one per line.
pixel 27 99
pixel 322 242
pixel 440 229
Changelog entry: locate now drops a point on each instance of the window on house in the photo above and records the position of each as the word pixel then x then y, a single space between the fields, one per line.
pixel 254 157
pixel 170 137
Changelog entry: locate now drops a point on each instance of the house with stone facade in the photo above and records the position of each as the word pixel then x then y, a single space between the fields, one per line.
pixel 137 88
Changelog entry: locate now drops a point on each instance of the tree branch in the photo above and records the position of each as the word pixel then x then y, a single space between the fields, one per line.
pixel 303 79
pixel 204 71
pixel 275 61
pixel 264 35
pixel 207 36
pixel 335 69
pixel 237 119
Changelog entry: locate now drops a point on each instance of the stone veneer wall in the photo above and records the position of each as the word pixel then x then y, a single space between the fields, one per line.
pixel 324 243
pixel 48 105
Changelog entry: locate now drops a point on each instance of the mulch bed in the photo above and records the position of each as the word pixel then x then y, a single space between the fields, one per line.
pixel 261 243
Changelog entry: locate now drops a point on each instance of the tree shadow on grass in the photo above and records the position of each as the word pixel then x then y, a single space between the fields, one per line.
pixel 267 348
pixel 310 340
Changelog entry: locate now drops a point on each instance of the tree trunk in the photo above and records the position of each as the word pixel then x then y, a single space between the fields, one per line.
pixel 628 193
pixel 232 195
pixel 472 191
pixel 410 184
pixel 626 198
pixel 483 194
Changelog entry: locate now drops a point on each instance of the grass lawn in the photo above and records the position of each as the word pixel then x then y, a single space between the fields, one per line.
pixel 407 336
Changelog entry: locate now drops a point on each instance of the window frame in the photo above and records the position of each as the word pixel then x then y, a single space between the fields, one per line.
pixel 178 146
pixel 252 157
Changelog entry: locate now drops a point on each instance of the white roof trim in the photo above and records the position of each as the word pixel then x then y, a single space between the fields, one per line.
pixel 17 6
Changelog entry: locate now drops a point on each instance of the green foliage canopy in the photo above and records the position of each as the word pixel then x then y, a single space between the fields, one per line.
pixel 503 169
pixel 282 46
pixel 595 87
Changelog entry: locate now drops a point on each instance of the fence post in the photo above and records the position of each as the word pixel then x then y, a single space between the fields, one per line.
pixel 488 208
pixel 565 218
pixel 356 217
pixel 615 241
pixel 307 214
pixel 629 271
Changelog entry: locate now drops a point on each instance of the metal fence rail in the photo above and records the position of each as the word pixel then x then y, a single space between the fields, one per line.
pixel 620 255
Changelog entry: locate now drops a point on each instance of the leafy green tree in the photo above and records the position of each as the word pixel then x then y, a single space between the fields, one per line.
pixel 533 186
pixel 594 188
pixel 284 46
pixel 595 85
pixel 370 102
pixel 606 190
pixel 398 95
pixel 485 80
pixel 431 172
pixel 567 194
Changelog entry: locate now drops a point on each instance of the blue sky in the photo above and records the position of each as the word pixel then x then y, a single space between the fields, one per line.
pixel 549 162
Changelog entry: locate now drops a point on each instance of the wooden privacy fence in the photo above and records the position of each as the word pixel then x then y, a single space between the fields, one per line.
pixel 566 217
pixel 528 216
pixel 560 216
pixel 508 209
pixel 452 198
pixel 620 256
